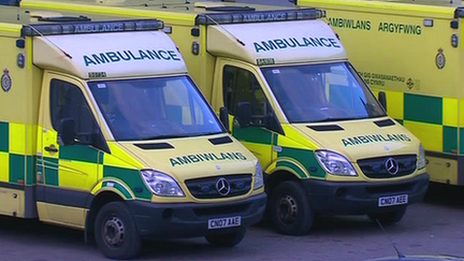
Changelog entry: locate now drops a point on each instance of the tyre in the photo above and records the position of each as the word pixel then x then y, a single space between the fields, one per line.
pixel 226 240
pixel 115 232
pixel 290 209
pixel 388 218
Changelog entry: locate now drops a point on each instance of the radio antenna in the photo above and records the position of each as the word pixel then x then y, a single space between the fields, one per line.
pixel 59 48
pixel 222 27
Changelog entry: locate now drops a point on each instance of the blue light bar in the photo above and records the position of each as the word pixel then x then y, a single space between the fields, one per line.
pixel 259 16
pixel 91 27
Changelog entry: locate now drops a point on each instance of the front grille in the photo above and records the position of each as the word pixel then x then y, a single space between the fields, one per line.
pixel 206 187
pixel 376 167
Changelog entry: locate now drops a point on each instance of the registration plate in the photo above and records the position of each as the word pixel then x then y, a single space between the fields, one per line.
pixel 218 223
pixel 393 200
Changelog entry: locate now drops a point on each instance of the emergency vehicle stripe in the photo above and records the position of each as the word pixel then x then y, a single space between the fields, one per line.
pixel 255 135
pixel 17 138
pixel 51 171
pixel 4 137
pixel 118 187
pixel 14 161
pixel 450 139
pixel 450 112
pixel 4 166
pixel 292 166
pixel 423 108
pixel 461 141
pixel 31 177
pixel 304 157
pixel 131 177
pixel 21 166
pixel 17 169
pixel 81 153
pixel 437 122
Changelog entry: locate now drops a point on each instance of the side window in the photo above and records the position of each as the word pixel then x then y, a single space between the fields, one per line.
pixel 242 86
pixel 67 101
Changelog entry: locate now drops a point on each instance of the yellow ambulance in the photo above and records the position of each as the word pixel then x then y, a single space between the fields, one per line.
pixel 326 144
pixel 103 130
pixel 412 51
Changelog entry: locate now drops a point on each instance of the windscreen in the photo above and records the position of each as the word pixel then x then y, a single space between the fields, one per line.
pixel 321 92
pixel 154 108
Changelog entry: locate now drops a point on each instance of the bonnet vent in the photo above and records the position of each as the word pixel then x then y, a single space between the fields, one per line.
pixel 154 146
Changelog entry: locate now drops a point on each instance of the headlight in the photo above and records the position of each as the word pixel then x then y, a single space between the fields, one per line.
pixel 161 184
pixel 421 162
pixel 335 163
pixel 259 179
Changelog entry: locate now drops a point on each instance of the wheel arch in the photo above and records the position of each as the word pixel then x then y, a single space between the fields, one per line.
pixel 278 177
pixel 97 203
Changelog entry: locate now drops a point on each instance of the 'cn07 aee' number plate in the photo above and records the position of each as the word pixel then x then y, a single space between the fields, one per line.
pixel 218 223
pixel 393 200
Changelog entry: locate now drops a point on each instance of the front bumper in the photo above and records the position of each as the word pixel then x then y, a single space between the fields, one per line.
pixel 181 220
pixel 359 198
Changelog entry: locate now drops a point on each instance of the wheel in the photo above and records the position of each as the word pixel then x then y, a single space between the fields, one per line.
pixel 388 218
pixel 290 210
pixel 115 232
pixel 226 240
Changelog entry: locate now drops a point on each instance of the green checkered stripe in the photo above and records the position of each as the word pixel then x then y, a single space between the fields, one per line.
pixel 130 177
pixel 287 157
pixel 426 117
pixel 21 168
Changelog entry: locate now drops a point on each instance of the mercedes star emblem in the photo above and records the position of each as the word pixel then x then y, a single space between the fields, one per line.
pixel 223 186
pixel 391 165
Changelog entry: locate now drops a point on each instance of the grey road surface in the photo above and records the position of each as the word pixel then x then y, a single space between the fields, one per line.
pixel 434 226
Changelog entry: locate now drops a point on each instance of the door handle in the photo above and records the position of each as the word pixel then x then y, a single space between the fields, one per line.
pixel 51 148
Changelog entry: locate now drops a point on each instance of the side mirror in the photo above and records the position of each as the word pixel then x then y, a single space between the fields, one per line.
pixel 243 114
pixel 224 117
pixel 67 132
pixel 383 99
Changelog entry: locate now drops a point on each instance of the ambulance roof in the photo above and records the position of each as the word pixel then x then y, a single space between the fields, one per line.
pixel 276 43
pixel 121 54
pixel 78 46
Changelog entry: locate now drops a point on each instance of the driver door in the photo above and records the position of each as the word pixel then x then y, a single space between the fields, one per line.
pixel 68 172
pixel 241 85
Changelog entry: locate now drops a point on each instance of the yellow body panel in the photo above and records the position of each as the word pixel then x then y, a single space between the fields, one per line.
pixel 62 215
pixel 451 112
pixel 4 167
pixel 12 202
pixel 442 170
pixel 422 131
pixel 412 50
